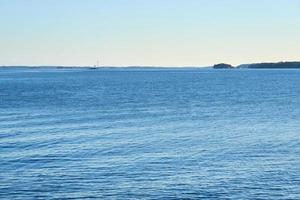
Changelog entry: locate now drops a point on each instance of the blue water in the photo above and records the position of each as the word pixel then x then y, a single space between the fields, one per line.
pixel 149 134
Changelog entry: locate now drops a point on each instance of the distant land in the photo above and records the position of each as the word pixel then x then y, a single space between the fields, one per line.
pixel 279 65
pixel 223 66
pixel 134 68
pixel 269 65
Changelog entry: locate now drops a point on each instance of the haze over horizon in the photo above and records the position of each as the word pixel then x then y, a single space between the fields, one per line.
pixel 148 33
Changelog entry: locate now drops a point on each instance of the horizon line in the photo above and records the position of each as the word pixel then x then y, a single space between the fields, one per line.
pixel 141 66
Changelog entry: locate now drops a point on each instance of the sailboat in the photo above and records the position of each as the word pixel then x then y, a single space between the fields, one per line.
pixel 95 66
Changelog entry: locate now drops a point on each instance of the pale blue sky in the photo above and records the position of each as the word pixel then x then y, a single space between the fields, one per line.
pixel 148 32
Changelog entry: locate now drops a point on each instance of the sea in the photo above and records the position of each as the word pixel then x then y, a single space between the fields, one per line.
pixel 131 133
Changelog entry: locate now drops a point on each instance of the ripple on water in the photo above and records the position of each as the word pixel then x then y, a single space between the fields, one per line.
pixel 168 134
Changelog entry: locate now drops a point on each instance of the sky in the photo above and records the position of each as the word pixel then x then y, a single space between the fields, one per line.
pixel 148 32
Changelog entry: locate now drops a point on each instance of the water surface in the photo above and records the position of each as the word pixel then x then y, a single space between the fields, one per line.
pixel 149 134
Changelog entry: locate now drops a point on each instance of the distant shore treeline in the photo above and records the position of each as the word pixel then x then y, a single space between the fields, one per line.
pixel 279 65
